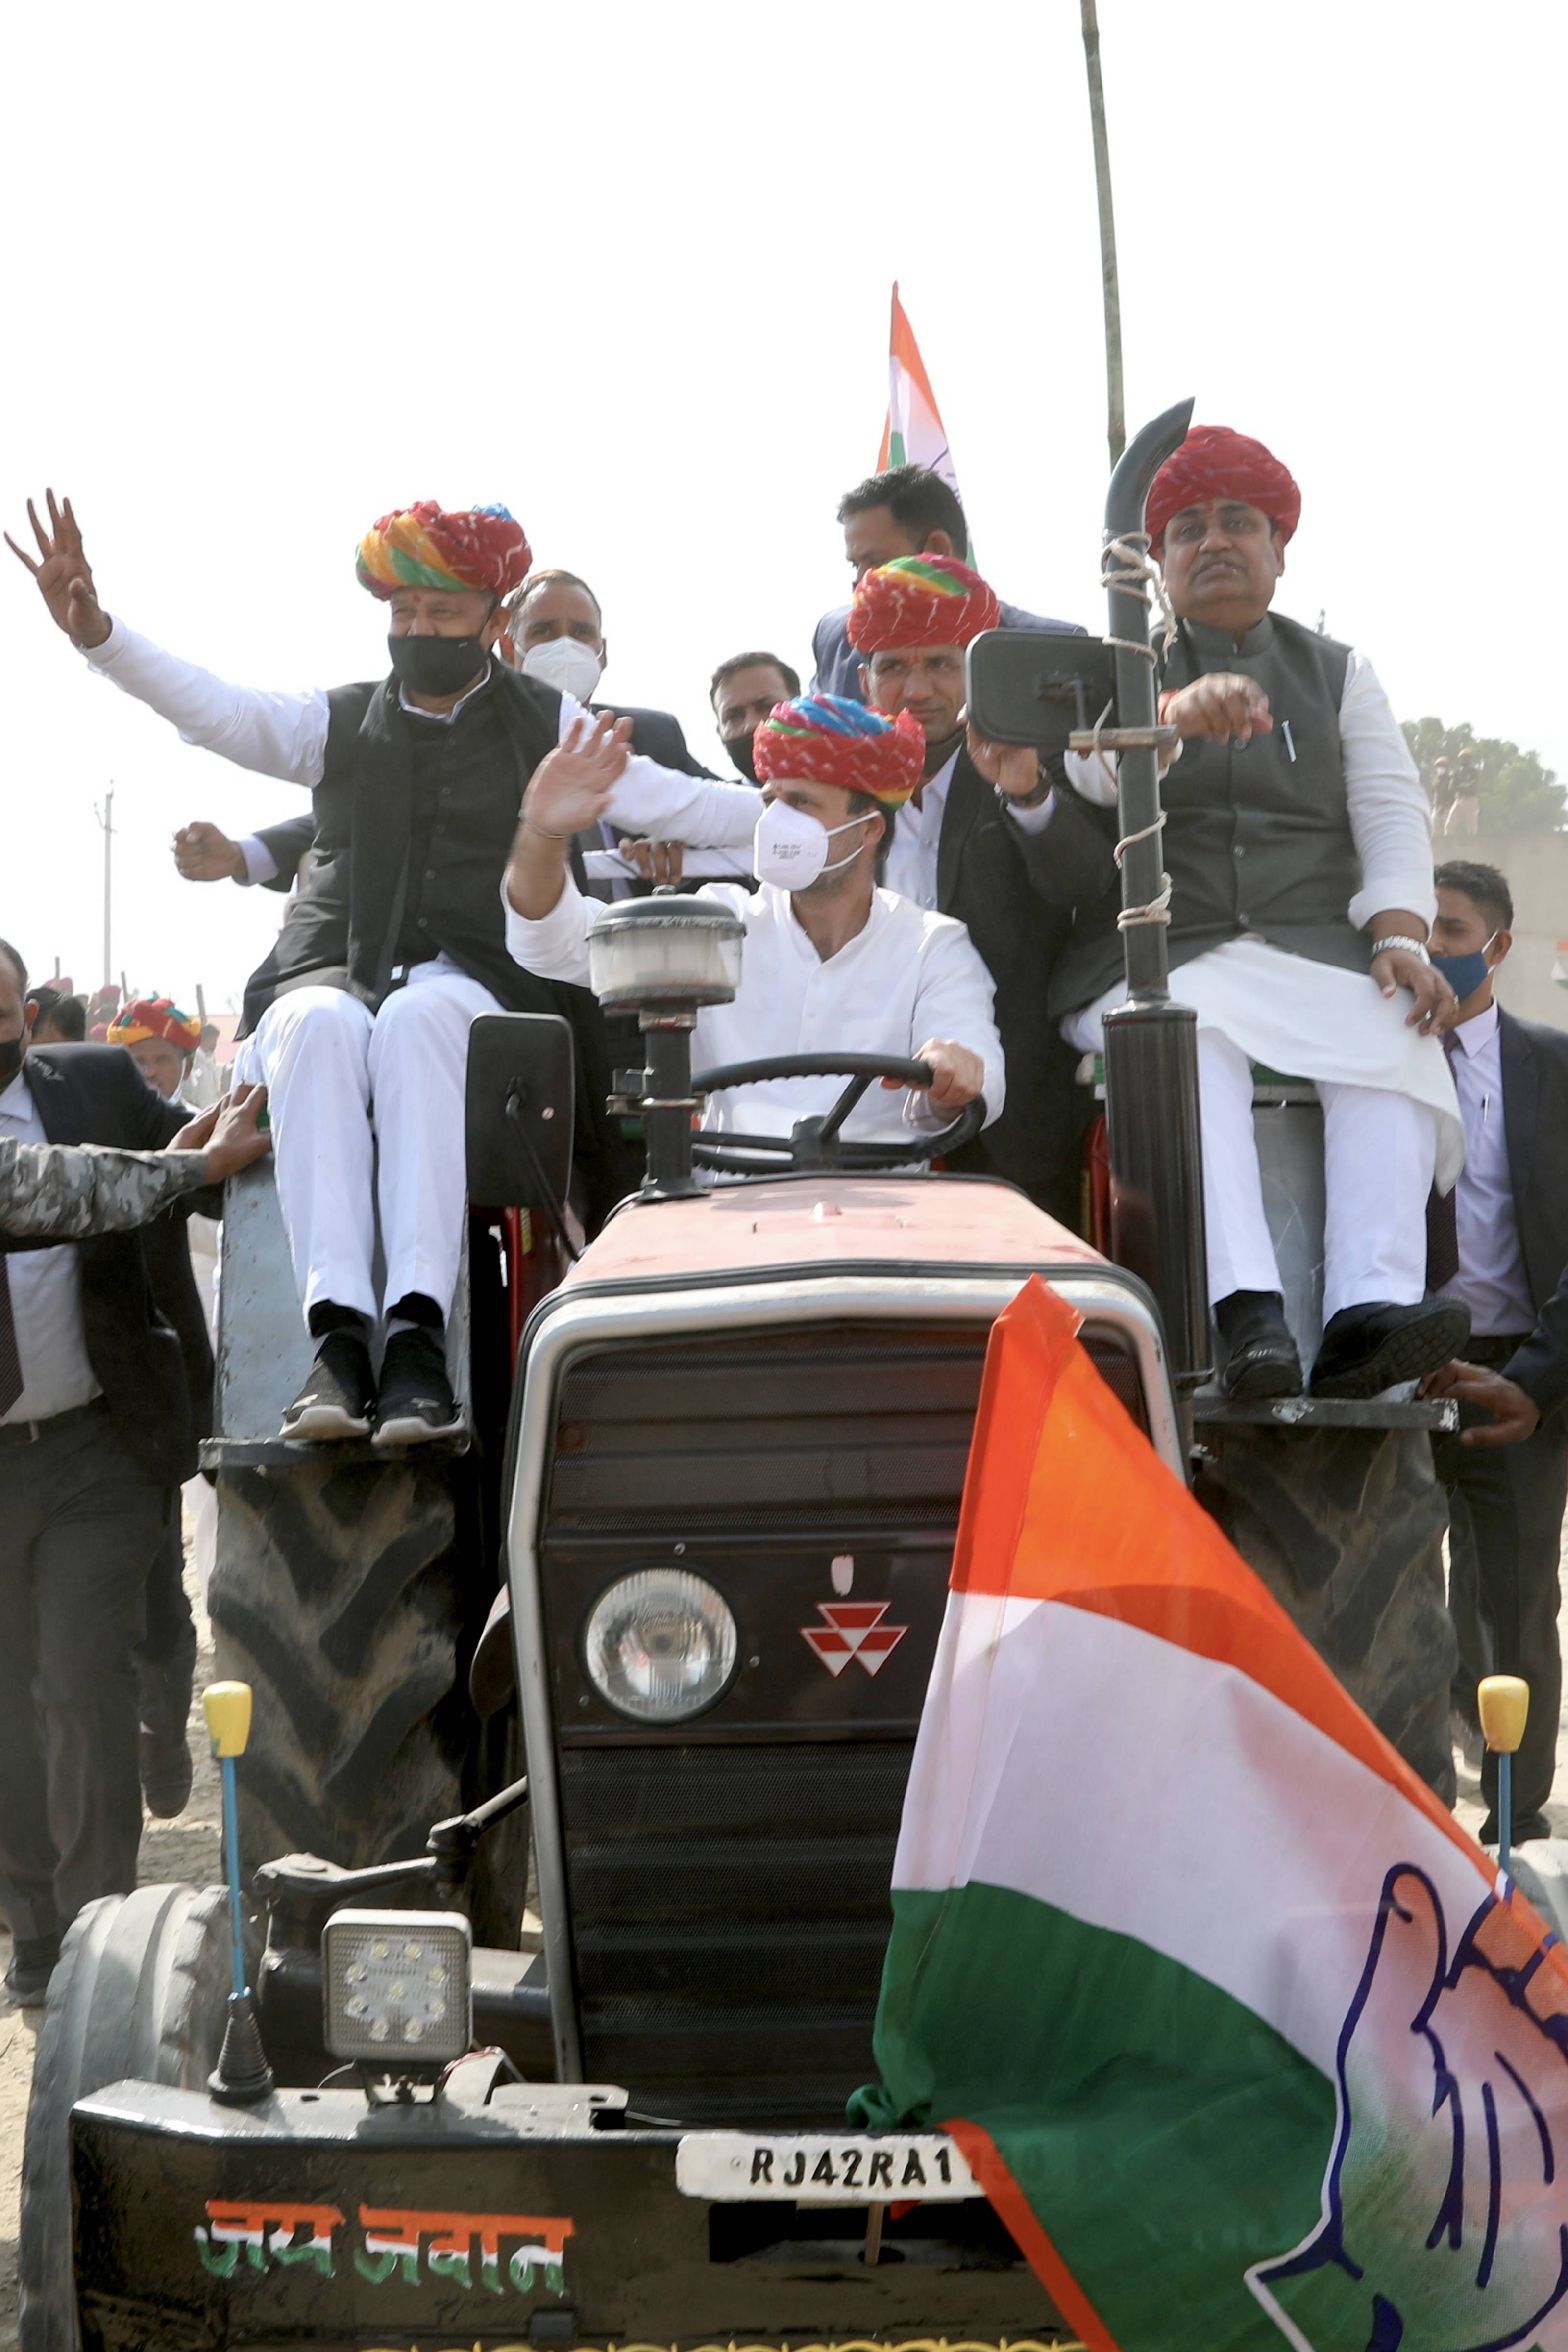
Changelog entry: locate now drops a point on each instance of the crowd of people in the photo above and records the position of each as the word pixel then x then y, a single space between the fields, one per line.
pixel 904 887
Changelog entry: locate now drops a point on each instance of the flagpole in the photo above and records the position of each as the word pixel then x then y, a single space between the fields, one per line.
pixel 1116 421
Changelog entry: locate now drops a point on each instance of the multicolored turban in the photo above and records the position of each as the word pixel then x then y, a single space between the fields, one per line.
pixel 826 739
pixel 155 1016
pixel 1215 463
pixel 423 546
pixel 920 600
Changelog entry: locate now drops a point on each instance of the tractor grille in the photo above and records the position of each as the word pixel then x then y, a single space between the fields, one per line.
pixel 728 1880
pixel 731 1914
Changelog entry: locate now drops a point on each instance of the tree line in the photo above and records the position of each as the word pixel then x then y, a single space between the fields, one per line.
pixel 1517 792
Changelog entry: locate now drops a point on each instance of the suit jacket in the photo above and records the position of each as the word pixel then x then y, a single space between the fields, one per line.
pixel 146 1334
pixel 838 666
pixel 1015 891
pixel 1535 1122
pixel 289 845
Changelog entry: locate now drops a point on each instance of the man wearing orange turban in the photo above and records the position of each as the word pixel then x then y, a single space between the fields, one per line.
pixel 973 842
pixel 1298 844
pixel 398 940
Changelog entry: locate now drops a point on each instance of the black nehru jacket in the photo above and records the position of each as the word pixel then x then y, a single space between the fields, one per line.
pixel 414 821
pixel 146 1335
pixel 415 818
pixel 1258 835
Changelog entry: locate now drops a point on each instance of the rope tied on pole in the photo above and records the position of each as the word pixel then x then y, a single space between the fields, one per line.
pixel 1126 563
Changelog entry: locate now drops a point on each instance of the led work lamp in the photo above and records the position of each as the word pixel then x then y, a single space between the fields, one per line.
pixel 397 1987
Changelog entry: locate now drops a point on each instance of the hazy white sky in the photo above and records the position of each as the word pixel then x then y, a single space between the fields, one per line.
pixel 269 271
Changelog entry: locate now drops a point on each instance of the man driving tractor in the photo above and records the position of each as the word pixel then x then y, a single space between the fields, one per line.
pixel 831 963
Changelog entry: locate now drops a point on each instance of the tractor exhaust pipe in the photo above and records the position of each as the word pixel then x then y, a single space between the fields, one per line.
pixel 1151 1044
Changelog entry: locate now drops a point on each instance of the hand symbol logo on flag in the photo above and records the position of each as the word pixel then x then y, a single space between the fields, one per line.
pixel 1437 2235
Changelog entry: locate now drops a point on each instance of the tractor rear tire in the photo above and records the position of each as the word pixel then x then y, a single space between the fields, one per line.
pixel 140 1992
pixel 1345 1528
pixel 336 1595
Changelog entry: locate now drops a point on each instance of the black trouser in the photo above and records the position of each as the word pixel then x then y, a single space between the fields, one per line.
pixel 1505 1534
pixel 80 1523
pixel 166 1660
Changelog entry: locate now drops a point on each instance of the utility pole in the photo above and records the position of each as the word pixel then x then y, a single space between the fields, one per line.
pixel 106 826
pixel 1116 426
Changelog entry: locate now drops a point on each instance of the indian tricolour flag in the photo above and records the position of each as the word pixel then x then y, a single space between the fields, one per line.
pixel 914 434
pixel 1247 2042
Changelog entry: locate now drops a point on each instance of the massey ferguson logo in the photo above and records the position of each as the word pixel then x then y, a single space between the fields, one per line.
pixel 854 1629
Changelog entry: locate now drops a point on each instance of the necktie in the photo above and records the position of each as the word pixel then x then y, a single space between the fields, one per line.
pixel 10 1358
pixel 1442 1220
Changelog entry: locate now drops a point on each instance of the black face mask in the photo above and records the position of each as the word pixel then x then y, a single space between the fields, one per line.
pixel 742 754
pixel 10 1058
pixel 436 664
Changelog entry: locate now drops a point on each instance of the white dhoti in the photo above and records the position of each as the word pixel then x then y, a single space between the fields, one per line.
pixel 1391 1119
pixel 329 1066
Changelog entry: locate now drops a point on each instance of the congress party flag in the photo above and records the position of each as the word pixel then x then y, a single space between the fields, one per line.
pixel 913 433
pixel 1246 2041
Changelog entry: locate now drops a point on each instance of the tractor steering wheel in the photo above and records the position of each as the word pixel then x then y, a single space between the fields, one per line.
pixel 814 1143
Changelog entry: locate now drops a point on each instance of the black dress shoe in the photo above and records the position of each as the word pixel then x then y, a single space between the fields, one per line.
pixel 1367 1349
pixel 338 1397
pixel 416 1400
pixel 165 1767
pixel 1529 1826
pixel 1260 1355
pixel 32 1965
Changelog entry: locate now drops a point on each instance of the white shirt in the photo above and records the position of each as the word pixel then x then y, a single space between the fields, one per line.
pixel 1491 1279
pixel 916 835
pixel 907 977
pixel 45 1299
pixel 285 735
pixel 1390 817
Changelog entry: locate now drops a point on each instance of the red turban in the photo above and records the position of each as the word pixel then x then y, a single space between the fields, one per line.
pixel 424 547
pixel 825 738
pixel 920 600
pixel 155 1016
pixel 1215 463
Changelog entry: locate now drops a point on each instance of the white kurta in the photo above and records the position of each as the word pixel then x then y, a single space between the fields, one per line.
pixel 908 976
pixel 1392 1120
pixel 285 735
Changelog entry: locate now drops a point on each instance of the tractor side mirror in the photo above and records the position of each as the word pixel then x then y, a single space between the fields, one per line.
pixel 521 1096
pixel 1039 687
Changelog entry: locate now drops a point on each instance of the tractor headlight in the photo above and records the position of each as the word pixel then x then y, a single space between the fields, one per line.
pixel 395 1987
pixel 660 1644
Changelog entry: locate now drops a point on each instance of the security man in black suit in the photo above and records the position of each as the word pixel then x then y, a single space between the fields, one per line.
pixel 98 1430
pixel 978 843
pixel 555 632
pixel 1499 1243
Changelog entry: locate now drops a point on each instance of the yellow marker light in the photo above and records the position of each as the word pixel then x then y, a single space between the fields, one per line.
pixel 226 1707
pixel 1503 1704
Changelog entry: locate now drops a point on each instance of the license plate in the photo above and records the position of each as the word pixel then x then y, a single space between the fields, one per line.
pixel 823 2169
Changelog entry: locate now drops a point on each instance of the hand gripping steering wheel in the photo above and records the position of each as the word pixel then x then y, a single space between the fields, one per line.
pixel 814 1143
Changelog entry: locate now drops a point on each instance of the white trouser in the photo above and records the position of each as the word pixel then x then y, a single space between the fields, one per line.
pixel 325 1060
pixel 1380 1150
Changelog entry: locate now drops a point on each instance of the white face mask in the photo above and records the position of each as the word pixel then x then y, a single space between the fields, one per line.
pixel 568 665
pixel 789 847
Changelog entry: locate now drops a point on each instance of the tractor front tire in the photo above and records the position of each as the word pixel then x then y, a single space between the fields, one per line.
pixel 141 1992
pixel 336 1595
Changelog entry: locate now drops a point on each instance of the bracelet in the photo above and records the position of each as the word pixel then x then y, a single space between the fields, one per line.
pixel 543 831
pixel 1398 939
pixel 1036 799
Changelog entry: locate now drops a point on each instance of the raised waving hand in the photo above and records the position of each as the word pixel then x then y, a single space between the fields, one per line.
pixel 63 574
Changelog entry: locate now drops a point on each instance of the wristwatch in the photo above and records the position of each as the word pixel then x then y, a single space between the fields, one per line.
pixel 1398 939
pixel 1041 792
